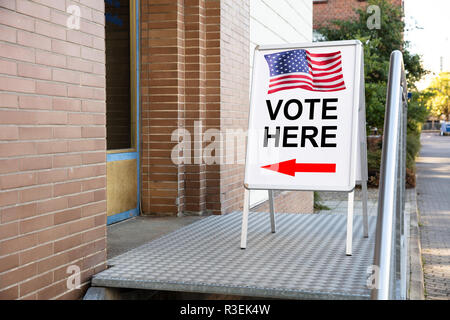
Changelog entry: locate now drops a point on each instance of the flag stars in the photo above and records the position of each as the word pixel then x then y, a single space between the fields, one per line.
pixel 287 62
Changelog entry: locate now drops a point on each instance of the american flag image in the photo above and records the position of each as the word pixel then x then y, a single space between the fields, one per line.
pixel 301 69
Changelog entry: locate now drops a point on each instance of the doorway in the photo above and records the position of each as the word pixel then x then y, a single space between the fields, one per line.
pixel 122 109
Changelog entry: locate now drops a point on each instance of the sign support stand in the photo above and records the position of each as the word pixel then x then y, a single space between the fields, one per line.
pixel 290 166
pixel 363 170
pixel 245 218
pixel 272 211
pixel 351 197
pixel 363 151
pixel 364 203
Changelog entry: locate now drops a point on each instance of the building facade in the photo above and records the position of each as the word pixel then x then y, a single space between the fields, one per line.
pixel 326 11
pixel 107 110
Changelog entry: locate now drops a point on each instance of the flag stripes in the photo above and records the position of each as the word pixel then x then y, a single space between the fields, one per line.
pixel 301 69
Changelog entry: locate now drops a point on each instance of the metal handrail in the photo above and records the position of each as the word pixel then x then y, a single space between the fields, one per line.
pixel 390 241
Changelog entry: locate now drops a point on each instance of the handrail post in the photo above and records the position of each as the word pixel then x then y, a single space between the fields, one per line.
pixel 391 195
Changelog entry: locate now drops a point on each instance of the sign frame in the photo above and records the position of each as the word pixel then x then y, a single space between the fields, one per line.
pixel 358 146
pixel 356 101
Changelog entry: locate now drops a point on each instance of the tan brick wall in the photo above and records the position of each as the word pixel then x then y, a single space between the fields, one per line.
pixel 52 147
pixel 325 12
pixel 194 67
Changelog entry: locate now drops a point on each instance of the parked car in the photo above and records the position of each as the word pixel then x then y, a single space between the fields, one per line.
pixel 445 128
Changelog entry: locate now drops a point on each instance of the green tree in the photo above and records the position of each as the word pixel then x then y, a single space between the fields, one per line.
pixel 378 45
pixel 438 101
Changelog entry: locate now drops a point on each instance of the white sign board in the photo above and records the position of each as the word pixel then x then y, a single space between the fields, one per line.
pixel 303 121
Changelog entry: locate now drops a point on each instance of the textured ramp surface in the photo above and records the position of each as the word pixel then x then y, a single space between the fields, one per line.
pixel 305 258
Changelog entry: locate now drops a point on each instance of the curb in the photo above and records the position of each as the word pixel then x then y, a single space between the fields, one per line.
pixel 417 287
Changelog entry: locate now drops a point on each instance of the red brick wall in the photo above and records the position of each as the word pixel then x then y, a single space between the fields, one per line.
pixel 195 102
pixel 213 95
pixel 326 11
pixel 162 104
pixel 52 147
pixel 289 202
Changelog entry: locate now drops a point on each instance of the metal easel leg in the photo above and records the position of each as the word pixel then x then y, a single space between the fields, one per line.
pixel 272 211
pixel 245 219
pixel 365 213
pixel 348 249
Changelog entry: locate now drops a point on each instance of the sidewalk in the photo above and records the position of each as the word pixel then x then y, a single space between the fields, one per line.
pixel 337 202
pixel 433 198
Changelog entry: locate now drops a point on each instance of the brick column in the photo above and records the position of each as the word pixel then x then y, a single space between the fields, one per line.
pixel 195 51
pixel 162 104
pixel 213 93
pixel 195 69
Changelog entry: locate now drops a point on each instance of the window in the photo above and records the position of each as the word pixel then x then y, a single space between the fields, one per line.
pixel 120 102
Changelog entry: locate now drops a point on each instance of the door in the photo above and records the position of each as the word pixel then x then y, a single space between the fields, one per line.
pixel 122 109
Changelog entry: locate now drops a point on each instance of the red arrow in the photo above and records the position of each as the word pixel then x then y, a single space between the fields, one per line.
pixel 290 167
